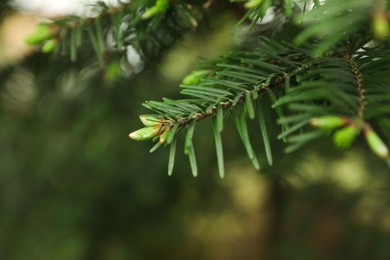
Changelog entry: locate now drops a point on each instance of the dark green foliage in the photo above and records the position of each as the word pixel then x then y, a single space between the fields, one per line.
pixel 106 31
pixel 334 66
pixel 73 186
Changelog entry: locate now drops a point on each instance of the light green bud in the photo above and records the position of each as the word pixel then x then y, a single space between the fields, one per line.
pixel 145 133
pixel 159 7
pixel 49 45
pixel 375 142
pixel 253 3
pixel 150 120
pixel 344 137
pixel 42 33
pixel 162 5
pixel 164 136
pixel 380 25
pixel 328 122
pixel 194 77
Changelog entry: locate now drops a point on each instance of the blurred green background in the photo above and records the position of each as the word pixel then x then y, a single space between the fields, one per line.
pixel 74 186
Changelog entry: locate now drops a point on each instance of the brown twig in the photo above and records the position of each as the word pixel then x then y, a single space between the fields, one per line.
pixel 359 86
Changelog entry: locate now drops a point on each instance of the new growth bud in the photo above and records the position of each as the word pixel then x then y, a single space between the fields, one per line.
pixel 194 77
pixel 328 122
pixel 150 120
pixel 253 3
pixel 42 33
pixel 160 7
pixel 375 142
pixel 145 133
pixel 164 136
pixel 49 45
pixel 344 137
pixel 380 25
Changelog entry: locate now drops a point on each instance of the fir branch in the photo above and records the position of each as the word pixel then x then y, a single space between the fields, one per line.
pixel 296 60
pixel 128 24
pixel 359 86
pixel 327 92
pixel 335 24
pixel 273 83
pixel 228 87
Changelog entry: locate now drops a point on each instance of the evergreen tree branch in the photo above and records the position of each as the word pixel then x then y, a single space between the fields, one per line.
pixel 248 80
pixel 334 24
pixel 359 86
pixel 147 26
pixel 332 85
pixel 326 92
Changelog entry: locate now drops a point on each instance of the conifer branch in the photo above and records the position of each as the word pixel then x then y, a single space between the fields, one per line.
pixel 326 92
pixel 332 85
pixel 359 86
pixel 144 26
pixel 255 93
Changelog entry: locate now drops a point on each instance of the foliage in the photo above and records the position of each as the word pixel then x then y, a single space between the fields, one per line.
pixel 335 67
pixel 332 75
pixel 74 187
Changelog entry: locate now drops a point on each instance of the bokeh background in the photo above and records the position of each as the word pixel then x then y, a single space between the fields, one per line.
pixel 74 186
